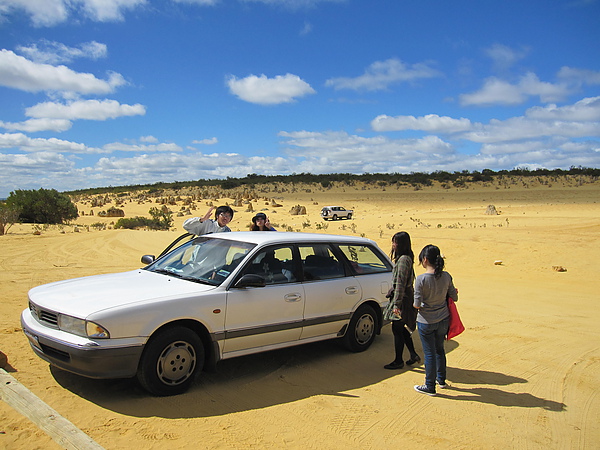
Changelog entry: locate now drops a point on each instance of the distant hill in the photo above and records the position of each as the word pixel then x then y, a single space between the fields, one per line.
pixel 417 179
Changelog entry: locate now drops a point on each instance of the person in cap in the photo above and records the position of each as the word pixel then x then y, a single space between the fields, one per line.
pixel 260 222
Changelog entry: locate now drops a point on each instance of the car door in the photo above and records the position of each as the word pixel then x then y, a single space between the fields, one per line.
pixel 330 294
pixel 259 317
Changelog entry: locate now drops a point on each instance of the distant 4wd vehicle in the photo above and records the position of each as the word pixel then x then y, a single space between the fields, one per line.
pixel 336 212
pixel 211 298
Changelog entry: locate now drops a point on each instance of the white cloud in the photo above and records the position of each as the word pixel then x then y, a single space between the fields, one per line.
pixel 149 139
pixel 55 53
pixel 585 110
pixel 431 123
pixel 269 91
pixel 85 109
pixel 519 128
pixel 120 147
pixel 27 144
pixel 381 74
pixel 494 92
pixel 349 153
pixel 306 29
pixel 34 125
pixel 45 13
pixel 580 76
pixel 505 57
pixel 42 12
pixel 20 73
pixel 499 92
pixel 211 141
pixel 108 10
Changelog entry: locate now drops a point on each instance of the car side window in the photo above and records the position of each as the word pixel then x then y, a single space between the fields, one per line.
pixel 364 259
pixel 274 264
pixel 320 263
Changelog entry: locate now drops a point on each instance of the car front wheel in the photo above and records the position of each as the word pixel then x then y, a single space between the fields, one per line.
pixel 361 330
pixel 170 361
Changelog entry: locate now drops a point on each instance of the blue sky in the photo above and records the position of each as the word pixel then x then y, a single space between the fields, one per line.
pixel 119 92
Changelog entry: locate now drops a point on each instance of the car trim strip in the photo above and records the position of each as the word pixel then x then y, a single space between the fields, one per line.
pixel 272 328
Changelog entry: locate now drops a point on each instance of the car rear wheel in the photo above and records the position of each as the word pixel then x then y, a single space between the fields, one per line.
pixel 361 330
pixel 170 361
pixel 334 217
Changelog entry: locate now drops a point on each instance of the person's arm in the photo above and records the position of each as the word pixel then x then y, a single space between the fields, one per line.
pixel 207 215
pixel 268 225
pixel 452 291
pixel 197 226
pixel 418 294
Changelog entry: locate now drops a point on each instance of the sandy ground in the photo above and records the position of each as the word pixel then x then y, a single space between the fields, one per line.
pixel 524 374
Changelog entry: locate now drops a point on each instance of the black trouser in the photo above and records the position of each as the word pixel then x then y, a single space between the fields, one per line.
pixel 401 338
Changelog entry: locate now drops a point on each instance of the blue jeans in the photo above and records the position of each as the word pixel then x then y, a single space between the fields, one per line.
pixel 432 339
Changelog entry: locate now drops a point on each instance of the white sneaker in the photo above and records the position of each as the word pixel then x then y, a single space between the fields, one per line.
pixel 440 385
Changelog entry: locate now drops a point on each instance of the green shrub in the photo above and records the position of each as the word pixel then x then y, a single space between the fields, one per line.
pixel 42 206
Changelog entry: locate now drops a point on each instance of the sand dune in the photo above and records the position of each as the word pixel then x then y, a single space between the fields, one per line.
pixel 524 374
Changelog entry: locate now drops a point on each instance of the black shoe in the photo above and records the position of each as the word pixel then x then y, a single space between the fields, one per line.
pixel 413 359
pixel 394 365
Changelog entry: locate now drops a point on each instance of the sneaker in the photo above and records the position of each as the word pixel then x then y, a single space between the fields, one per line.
pixel 424 390
pixel 441 385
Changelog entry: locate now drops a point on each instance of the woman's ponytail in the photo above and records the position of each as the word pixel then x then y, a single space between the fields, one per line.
pixel 435 258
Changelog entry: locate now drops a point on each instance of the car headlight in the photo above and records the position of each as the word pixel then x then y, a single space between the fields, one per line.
pixel 81 327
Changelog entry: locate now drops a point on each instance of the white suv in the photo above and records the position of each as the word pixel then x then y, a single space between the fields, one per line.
pixel 336 212
pixel 213 297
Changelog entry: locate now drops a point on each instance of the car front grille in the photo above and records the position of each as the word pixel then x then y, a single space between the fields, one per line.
pixel 48 318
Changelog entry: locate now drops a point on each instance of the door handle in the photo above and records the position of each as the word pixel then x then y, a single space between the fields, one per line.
pixel 351 290
pixel 294 297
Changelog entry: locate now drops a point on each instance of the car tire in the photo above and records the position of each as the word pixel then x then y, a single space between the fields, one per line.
pixel 334 217
pixel 170 361
pixel 361 329
pixel 349 216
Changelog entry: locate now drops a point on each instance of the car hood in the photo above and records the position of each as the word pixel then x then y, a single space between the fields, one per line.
pixel 81 297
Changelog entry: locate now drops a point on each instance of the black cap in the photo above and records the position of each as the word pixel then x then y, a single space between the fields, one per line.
pixel 259 216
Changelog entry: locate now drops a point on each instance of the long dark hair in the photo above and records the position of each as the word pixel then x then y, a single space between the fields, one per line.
pixel 435 258
pixel 403 246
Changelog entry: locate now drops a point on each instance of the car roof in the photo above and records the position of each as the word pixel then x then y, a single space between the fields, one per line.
pixel 280 237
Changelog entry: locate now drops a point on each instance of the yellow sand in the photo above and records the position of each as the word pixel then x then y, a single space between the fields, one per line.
pixel 524 374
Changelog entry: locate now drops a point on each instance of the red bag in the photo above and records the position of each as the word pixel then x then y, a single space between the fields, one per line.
pixel 456 326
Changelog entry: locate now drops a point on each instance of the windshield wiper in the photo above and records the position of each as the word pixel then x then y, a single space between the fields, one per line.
pixel 196 280
pixel 167 272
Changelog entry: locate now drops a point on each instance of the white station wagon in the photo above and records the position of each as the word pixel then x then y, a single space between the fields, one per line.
pixel 211 298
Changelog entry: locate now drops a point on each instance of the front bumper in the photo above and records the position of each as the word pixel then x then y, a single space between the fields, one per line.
pixel 100 358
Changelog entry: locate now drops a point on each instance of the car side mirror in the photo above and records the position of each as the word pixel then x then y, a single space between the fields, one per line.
pixel 148 259
pixel 250 280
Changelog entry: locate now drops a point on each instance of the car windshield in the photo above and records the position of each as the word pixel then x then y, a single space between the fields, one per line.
pixel 203 260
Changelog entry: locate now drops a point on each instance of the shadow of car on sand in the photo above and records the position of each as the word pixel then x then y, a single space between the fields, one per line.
pixel 249 382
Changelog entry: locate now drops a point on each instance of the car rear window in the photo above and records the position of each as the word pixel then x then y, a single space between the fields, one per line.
pixel 364 259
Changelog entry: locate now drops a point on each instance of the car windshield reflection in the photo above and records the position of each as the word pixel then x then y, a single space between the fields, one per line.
pixel 203 260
